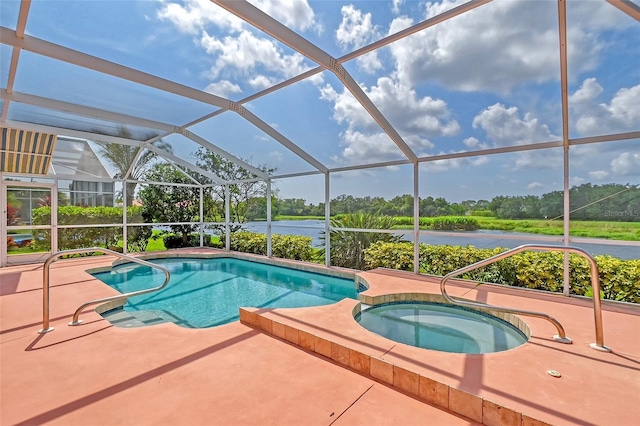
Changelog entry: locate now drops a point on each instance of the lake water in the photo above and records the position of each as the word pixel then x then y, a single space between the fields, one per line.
pixel 479 239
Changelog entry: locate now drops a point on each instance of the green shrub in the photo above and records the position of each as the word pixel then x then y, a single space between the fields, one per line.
pixel 619 279
pixel 539 270
pixel 283 246
pixel 106 236
pixel 454 223
pixel 384 254
pixel 440 223
pixel 404 220
pixel 173 241
pixel 72 238
pixel 442 259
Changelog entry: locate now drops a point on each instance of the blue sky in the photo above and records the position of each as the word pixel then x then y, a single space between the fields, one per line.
pixel 486 79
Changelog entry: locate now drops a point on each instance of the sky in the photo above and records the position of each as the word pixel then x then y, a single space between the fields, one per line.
pixel 488 78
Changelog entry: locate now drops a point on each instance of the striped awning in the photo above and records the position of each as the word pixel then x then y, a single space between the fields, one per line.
pixel 25 151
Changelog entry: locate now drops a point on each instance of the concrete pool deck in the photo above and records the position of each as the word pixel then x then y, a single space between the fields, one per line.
pixel 274 367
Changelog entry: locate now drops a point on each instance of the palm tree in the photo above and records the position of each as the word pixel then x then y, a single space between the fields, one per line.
pixel 121 157
pixel 348 247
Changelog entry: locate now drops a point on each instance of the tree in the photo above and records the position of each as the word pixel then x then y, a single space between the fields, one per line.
pixel 121 157
pixel 552 205
pixel 403 205
pixel 257 208
pixel 171 203
pixel 293 207
pixel 243 195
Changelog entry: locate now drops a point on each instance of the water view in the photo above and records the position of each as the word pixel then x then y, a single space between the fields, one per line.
pixel 480 239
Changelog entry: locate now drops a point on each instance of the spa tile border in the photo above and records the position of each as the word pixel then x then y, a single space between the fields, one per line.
pixel 423 388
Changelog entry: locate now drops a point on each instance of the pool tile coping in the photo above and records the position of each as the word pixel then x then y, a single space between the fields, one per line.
pixel 424 388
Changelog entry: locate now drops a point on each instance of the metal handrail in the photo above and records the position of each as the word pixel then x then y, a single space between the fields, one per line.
pixel 76 315
pixel 561 336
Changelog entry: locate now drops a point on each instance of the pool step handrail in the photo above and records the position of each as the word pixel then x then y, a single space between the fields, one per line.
pixel 561 336
pixel 76 321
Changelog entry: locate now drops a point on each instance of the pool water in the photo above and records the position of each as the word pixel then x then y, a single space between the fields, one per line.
pixel 441 327
pixel 208 292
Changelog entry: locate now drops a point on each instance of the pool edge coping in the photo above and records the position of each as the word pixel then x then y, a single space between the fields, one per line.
pixel 423 388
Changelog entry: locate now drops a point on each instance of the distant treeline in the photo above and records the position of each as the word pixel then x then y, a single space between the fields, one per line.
pixel 610 202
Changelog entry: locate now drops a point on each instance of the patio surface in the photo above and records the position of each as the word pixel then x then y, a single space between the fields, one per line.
pixel 274 368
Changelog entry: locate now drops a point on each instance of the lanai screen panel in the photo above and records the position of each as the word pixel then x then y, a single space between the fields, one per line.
pixel 244 140
pixel 133 34
pixel 63 120
pixel 325 120
pixel 9 13
pixel 53 79
pixel 5 62
pixel 77 157
pixel 603 63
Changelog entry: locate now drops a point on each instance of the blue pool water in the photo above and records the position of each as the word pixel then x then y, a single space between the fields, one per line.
pixel 440 327
pixel 208 292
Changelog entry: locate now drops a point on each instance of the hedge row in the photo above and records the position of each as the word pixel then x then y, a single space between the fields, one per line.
pixel 282 246
pixel 619 279
pixel 106 236
pixel 442 223
pixel 172 241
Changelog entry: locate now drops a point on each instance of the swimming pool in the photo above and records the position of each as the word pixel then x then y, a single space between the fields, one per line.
pixel 441 327
pixel 208 292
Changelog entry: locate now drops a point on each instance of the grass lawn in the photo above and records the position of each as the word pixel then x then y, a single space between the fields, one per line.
pixel 628 231
pixel 625 231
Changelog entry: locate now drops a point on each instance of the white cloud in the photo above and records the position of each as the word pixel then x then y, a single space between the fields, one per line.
pixel 260 82
pixel 505 127
pixel 626 164
pixel 588 91
pixel 355 31
pixel 599 174
pixel 395 6
pixel 415 118
pixel 621 114
pixel 193 16
pixel 369 62
pixel 439 166
pixel 292 13
pixel 242 53
pixel 223 88
pixel 501 45
pixel 248 54
pixel 356 28
pixel 534 185
pixel 472 142
pixel 370 148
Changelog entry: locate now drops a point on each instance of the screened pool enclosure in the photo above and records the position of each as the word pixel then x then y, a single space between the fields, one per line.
pixel 237 109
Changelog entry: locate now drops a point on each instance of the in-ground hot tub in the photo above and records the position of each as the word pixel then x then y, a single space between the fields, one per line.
pixel 441 327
